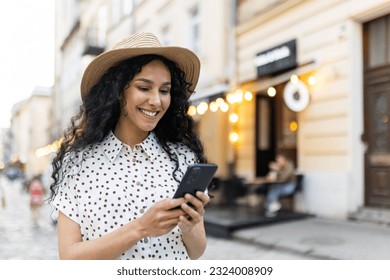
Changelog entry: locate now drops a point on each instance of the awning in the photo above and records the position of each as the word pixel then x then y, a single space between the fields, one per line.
pixel 208 93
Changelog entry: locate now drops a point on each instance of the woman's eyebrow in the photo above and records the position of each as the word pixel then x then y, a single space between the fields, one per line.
pixel 144 80
pixel 151 82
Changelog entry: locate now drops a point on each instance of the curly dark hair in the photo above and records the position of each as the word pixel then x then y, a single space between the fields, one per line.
pixel 101 108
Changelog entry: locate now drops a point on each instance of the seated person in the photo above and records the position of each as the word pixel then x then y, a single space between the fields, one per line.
pixel 282 172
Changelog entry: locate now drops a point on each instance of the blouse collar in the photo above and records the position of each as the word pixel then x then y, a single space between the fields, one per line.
pixel 112 146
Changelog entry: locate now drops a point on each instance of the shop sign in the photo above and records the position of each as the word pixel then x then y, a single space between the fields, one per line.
pixel 276 59
pixel 296 96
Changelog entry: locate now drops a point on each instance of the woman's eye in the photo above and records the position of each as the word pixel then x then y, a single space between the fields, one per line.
pixel 165 91
pixel 143 88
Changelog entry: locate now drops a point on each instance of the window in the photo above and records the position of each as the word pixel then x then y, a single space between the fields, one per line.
pixel 115 11
pixel 378 32
pixel 120 9
pixel 166 38
pixel 127 6
pixel 195 30
pixel 102 27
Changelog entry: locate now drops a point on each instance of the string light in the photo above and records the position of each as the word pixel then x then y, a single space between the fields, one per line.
pixel 51 148
pixel 312 80
pixel 230 97
pixel 234 137
pixel 248 95
pixel 191 110
pixel 225 107
pixel 271 91
pixel 220 101
pixel 293 126
pixel 238 95
pixel 233 118
pixel 213 106
pixel 233 97
pixel 202 108
pixel 294 79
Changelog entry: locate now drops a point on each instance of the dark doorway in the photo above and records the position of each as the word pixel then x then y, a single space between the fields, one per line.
pixel 377 112
pixel 265 133
pixel 276 130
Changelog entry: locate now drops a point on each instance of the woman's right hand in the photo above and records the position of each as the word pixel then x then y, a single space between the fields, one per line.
pixel 161 218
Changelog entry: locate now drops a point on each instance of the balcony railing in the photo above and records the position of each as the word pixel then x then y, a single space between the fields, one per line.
pixel 94 44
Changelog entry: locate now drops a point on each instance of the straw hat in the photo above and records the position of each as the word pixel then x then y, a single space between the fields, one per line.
pixel 135 45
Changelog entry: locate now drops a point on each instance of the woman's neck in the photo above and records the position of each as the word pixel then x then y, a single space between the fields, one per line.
pixel 130 136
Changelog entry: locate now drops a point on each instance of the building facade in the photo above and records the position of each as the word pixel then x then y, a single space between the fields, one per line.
pixel 318 72
pixel 30 132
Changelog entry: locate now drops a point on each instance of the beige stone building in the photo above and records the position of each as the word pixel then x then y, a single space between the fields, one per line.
pixel 30 132
pixel 72 41
pixel 5 148
pixel 326 61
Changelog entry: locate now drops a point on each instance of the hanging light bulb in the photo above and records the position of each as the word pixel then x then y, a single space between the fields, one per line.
pixel 271 91
pixel 248 95
pixel 213 106
pixel 294 79
pixel 233 118
pixel 202 108
pixel 220 101
pixel 233 137
pixel 230 98
pixel 191 110
pixel 293 126
pixel 224 107
pixel 312 80
pixel 238 95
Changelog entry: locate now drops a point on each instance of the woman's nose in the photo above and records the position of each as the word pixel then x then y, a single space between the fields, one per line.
pixel 154 98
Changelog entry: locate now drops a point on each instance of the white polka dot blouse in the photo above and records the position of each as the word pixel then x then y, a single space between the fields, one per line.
pixel 110 184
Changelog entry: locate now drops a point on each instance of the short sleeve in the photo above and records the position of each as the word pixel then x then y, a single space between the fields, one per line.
pixel 66 200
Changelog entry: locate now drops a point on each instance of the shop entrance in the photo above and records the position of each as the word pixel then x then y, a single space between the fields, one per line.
pixel 265 133
pixel 276 129
pixel 377 112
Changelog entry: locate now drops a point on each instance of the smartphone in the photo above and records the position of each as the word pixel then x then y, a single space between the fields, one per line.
pixel 197 178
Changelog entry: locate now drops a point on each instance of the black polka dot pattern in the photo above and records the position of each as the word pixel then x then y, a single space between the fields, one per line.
pixel 115 184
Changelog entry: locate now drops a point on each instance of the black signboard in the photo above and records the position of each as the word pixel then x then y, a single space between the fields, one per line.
pixel 276 60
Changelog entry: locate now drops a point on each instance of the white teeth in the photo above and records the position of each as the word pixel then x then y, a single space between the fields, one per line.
pixel 148 113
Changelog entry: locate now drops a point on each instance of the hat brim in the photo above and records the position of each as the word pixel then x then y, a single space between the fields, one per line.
pixel 185 59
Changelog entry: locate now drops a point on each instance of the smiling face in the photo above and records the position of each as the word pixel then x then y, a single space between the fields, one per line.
pixel 146 100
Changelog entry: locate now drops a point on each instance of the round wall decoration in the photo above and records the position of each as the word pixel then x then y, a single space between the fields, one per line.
pixel 296 96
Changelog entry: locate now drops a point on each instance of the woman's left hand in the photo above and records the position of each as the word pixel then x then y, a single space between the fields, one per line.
pixel 194 214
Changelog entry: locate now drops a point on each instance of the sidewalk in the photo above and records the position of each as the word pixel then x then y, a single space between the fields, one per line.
pixel 302 239
pixel 322 238
pixel 20 238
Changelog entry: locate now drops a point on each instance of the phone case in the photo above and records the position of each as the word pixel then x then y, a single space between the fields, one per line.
pixel 197 178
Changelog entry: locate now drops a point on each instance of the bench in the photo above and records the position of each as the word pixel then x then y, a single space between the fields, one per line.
pixel 288 201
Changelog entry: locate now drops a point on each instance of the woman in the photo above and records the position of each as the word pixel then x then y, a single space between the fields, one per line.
pixel 36 191
pixel 3 201
pixel 125 154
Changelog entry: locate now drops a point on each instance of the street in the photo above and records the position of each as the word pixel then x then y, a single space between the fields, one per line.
pixel 21 240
